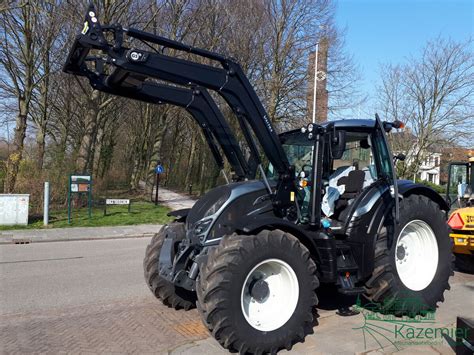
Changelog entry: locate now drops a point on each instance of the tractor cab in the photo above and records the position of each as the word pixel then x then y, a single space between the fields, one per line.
pixel 360 162
pixel 460 188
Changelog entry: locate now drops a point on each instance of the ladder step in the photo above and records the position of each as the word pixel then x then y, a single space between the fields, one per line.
pixel 351 291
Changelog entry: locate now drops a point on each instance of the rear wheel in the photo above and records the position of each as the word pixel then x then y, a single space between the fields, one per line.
pixel 171 295
pixel 411 275
pixel 256 293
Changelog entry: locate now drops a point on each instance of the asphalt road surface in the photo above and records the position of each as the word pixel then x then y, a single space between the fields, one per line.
pixel 90 297
pixel 42 276
pixel 85 296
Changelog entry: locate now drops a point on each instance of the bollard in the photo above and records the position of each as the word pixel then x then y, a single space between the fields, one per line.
pixel 46 204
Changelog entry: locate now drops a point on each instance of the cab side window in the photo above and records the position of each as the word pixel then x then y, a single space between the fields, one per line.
pixel 382 157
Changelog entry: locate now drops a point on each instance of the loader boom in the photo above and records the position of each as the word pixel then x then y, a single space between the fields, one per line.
pixel 229 80
pixel 202 108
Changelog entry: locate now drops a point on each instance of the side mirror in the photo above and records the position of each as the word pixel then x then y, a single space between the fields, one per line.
pixel 399 157
pixel 338 144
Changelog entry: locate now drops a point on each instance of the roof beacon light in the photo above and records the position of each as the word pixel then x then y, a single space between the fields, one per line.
pixel 398 124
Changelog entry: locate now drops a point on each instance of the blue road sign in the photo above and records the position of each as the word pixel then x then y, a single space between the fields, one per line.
pixel 159 169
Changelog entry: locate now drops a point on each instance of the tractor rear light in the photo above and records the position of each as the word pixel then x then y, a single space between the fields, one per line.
pixel 456 222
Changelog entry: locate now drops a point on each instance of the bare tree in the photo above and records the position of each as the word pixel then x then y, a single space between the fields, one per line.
pixel 434 95
pixel 18 62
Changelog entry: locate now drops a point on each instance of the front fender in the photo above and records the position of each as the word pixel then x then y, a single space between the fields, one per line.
pixel 252 225
pixel 179 215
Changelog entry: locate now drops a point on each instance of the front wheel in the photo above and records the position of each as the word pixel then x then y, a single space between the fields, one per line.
pixel 412 271
pixel 256 293
pixel 171 295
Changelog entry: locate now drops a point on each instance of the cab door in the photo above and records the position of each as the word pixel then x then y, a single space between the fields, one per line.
pixel 384 162
pixel 458 184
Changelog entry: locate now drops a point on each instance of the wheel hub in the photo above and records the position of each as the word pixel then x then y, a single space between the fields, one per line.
pixel 259 290
pixel 401 252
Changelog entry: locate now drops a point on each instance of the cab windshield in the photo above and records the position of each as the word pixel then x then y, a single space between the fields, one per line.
pixel 298 155
pixel 299 151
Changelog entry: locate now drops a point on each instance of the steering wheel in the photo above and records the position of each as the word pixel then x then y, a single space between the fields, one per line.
pixel 306 169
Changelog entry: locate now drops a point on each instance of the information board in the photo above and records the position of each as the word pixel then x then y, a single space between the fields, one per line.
pixel 79 184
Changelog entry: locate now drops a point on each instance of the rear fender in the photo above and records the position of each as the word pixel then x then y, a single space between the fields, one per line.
pixel 407 188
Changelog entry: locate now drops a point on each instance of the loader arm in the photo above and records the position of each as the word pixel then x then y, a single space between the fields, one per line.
pixel 229 80
pixel 200 106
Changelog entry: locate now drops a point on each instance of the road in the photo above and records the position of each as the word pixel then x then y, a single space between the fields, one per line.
pixel 90 297
pixel 85 296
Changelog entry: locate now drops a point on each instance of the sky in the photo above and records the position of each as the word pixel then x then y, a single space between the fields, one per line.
pixel 389 31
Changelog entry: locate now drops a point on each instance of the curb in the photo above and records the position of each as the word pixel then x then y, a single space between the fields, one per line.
pixel 10 239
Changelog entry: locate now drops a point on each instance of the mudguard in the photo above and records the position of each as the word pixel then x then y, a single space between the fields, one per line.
pixel 321 244
pixel 253 225
pixel 407 188
pixel 179 215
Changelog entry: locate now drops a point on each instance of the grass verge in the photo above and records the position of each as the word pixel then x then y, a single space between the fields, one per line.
pixel 140 213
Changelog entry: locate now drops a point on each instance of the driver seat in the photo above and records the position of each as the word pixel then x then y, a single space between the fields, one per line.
pixel 354 183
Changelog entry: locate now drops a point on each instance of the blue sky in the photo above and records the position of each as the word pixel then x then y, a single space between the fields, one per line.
pixel 388 31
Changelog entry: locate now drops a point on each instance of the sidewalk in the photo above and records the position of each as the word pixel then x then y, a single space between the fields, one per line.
pixel 168 198
pixel 174 200
pixel 343 335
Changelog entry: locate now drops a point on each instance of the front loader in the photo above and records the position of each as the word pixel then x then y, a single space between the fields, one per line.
pixel 460 196
pixel 328 208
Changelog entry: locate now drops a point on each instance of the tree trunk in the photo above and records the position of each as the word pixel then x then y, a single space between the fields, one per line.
pixel 83 162
pixel 192 149
pixel 40 142
pixel 14 159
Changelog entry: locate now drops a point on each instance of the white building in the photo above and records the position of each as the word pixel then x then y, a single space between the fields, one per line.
pixel 430 168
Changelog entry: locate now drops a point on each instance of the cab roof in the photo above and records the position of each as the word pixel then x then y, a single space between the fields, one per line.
pixel 349 124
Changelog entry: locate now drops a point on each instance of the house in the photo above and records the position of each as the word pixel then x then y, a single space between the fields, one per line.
pixel 430 169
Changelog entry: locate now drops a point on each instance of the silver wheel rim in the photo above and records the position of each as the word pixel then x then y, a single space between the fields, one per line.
pixel 276 305
pixel 416 255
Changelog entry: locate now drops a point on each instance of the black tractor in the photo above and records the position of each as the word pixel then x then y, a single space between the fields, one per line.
pixel 327 206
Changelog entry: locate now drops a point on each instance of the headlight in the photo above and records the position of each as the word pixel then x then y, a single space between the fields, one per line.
pixel 202 226
pixel 216 206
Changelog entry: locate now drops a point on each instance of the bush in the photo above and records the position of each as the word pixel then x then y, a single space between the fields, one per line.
pixel 441 189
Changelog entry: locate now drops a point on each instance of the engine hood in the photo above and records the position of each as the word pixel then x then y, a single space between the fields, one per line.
pixel 228 193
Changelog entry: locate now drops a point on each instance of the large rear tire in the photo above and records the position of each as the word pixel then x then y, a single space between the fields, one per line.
pixel 256 293
pixel 171 295
pixel 411 275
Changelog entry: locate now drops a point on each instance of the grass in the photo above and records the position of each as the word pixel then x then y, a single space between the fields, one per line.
pixel 140 213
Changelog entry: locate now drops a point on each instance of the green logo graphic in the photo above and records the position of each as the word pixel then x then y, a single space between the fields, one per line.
pixel 402 321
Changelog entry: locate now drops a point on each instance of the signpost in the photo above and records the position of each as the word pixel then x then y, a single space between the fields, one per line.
pixel 80 184
pixel 117 201
pixel 158 170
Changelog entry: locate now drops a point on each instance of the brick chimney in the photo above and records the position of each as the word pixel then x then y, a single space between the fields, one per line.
pixel 321 91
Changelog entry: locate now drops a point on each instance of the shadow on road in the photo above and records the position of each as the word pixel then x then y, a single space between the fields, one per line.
pixel 330 299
